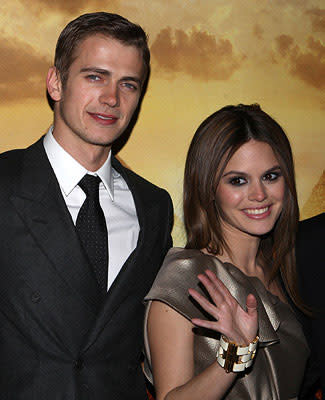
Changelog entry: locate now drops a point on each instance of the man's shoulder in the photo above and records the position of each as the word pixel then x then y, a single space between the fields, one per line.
pixel 10 161
pixel 312 226
pixel 11 155
pixel 143 185
pixel 309 249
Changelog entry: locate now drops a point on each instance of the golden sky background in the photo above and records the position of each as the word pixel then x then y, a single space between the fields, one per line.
pixel 205 54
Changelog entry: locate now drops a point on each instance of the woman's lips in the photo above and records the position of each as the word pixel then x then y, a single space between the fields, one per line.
pixel 257 213
pixel 104 119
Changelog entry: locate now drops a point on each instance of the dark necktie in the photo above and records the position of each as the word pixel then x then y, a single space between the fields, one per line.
pixel 91 227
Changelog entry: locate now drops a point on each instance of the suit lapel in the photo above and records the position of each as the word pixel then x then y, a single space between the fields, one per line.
pixel 39 202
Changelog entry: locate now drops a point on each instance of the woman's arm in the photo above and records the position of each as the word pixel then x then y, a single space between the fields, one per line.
pixel 171 348
pixel 171 341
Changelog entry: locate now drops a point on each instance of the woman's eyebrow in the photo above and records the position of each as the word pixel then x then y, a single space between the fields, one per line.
pixel 234 172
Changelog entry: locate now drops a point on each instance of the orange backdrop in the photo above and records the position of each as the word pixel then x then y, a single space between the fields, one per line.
pixel 205 54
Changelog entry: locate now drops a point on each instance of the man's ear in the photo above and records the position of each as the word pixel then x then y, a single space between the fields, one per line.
pixel 53 84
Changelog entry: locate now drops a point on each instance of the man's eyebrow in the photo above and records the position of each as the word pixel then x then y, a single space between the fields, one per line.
pixel 107 73
pixel 132 78
pixel 97 70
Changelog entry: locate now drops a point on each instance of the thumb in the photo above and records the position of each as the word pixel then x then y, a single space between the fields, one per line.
pixel 251 305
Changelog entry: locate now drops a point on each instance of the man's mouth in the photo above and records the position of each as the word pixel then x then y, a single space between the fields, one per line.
pixel 105 119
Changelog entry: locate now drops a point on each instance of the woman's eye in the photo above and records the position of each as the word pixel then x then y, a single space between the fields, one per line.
pixel 271 176
pixel 237 181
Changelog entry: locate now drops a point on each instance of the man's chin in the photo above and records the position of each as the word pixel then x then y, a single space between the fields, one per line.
pixel 99 142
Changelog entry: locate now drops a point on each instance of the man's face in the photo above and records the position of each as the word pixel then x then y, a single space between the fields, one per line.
pixel 101 93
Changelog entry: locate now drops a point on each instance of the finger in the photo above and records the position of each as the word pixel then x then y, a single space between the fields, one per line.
pixel 251 305
pixel 204 303
pixel 211 288
pixel 205 324
pixel 218 283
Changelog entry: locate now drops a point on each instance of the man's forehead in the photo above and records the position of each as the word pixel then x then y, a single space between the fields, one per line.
pixel 99 37
pixel 95 47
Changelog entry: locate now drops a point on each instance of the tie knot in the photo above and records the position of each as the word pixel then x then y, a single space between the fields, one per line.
pixel 90 184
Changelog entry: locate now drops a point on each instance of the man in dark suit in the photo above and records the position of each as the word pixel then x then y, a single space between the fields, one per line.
pixel 311 268
pixel 82 237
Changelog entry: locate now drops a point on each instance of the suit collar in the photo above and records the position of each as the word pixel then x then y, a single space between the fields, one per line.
pixel 69 172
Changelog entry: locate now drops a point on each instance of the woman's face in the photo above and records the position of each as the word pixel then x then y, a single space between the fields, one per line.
pixel 251 190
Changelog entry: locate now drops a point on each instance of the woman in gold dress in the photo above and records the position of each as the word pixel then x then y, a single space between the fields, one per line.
pixel 221 319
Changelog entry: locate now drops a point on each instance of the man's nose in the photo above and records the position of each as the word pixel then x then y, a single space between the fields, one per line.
pixel 257 191
pixel 110 95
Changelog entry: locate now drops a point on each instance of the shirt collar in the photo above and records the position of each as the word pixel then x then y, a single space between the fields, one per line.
pixel 69 172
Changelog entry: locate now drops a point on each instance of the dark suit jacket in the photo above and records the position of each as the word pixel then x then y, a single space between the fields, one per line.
pixel 311 268
pixel 57 342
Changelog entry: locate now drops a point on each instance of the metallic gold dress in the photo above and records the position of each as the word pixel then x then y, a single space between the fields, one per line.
pixel 278 369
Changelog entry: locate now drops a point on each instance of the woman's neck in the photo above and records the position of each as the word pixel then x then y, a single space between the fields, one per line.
pixel 243 249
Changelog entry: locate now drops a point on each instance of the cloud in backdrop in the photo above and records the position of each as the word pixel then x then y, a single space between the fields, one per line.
pixel 196 53
pixel 308 63
pixel 22 72
pixel 68 7
pixel 317 16
pixel 258 31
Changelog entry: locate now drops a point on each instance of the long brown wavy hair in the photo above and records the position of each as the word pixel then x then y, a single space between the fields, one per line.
pixel 214 143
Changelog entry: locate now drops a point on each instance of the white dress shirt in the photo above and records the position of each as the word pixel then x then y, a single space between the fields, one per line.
pixel 115 199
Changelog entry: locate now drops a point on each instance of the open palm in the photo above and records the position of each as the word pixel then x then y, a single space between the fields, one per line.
pixel 230 319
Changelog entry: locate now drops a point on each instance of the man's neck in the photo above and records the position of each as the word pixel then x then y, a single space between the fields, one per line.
pixel 90 156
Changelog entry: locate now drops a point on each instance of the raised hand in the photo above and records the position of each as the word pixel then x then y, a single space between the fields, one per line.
pixel 231 320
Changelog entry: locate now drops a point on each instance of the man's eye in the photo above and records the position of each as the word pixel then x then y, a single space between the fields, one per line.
pixel 237 181
pixel 271 176
pixel 130 86
pixel 93 77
